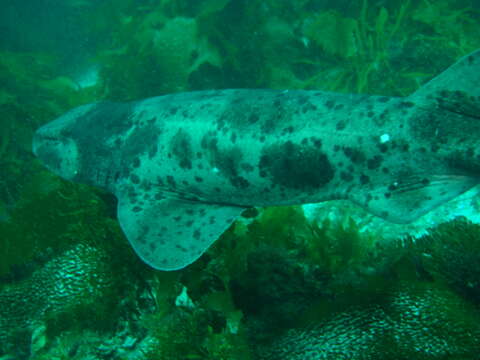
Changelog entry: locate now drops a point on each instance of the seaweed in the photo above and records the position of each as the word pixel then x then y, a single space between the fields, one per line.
pixel 450 253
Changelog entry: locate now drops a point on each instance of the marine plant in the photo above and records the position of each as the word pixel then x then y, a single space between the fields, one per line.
pixel 193 333
pixel 450 253
pixel 362 44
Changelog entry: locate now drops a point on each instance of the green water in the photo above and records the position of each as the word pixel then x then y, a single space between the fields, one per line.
pixel 280 283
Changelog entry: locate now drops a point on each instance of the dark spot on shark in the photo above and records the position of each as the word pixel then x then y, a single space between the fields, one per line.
pixel 330 104
pixel 316 142
pixel 339 107
pixel 406 104
pixel 135 179
pixel 136 162
pixel 288 129
pixel 233 138
pixel 181 248
pixel 189 223
pixel 355 155
pixel 171 181
pixel 341 125
pixel 374 162
pixel 253 118
pixel 346 176
pixel 196 234
pixel 198 179
pixel 240 182
pixel 295 166
pixel 177 218
pixel 137 209
pixel 383 147
pixel 364 179
pixel 383 99
pixel 173 110
pixel 181 148
pixel 392 187
pixel 220 123
pixel 269 125
pixel 262 139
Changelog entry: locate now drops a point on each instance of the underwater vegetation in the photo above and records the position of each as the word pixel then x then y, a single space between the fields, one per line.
pixel 277 285
pixel 450 253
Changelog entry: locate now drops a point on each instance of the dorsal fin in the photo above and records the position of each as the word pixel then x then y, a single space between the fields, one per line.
pixel 463 77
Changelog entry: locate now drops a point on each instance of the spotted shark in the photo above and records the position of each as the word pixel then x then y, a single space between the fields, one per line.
pixel 184 166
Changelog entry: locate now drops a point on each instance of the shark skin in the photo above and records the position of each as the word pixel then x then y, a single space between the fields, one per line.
pixel 184 166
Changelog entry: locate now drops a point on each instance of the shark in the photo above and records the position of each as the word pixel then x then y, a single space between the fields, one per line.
pixel 184 166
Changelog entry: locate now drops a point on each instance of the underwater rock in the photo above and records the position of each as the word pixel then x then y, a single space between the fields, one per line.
pixel 78 277
pixel 416 322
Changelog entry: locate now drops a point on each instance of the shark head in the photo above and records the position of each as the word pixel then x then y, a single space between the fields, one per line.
pixel 54 144
pixel 80 145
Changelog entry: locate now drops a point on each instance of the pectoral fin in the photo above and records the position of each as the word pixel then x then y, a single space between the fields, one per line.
pixel 169 234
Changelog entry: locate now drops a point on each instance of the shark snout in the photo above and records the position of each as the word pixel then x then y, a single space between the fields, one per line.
pixel 58 153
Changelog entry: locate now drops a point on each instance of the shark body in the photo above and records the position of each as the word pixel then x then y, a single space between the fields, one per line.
pixel 184 166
